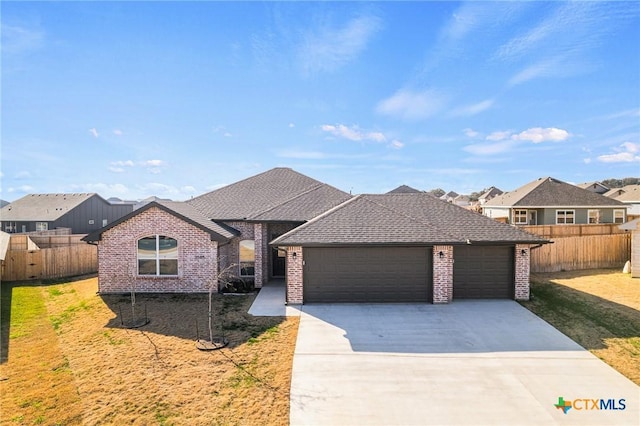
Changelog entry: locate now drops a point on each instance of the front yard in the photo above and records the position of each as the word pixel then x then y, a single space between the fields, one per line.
pixel 67 360
pixel 599 309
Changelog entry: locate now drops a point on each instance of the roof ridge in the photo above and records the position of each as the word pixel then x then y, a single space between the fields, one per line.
pixel 320 216
pixel 312 188
pixel 411 217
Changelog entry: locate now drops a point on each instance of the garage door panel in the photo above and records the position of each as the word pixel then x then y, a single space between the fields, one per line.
pixel 481 272
pixel 367 274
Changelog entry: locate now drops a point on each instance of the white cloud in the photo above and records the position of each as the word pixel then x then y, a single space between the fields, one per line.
pixel 586 160
pixel 396 144
pixel 470 133
pixel 543 68
pixel 628 152
pixel 490 148
pixel 94 132
pixel 410 105
pixel 291 125
pixel 117 132
pixel 188 189
pixel 474 109
pixel 22 188
pixel 499 135
pixel 353 133
pixel 327 49
pixel 539 134
pixel 153 163
pixel 16 39
pixel 122 163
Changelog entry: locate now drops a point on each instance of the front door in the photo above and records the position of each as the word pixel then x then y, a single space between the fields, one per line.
pixel 278 260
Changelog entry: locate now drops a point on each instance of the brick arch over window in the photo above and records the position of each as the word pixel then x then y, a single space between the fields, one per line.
pixel 157 255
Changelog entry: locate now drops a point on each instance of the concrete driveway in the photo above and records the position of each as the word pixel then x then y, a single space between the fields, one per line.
pixel 469 362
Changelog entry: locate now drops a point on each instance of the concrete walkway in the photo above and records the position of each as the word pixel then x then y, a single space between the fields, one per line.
pixel 270 302
pixel 467 363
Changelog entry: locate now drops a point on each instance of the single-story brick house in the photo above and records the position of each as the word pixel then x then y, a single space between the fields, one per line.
pixel 330 246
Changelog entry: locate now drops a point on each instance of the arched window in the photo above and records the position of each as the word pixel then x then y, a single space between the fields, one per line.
pixel 247 258
pixel 157 255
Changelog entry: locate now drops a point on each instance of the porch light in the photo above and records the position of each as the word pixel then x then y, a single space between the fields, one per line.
pixel 523 252
pixel 441 254
pixel 294 254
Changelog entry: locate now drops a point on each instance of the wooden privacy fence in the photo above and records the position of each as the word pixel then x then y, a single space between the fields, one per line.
pixel 586 252
pixel 33 263
pixel 553 231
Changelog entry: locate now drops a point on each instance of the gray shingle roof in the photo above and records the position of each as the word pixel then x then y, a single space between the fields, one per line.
pixel 550 192
pixel 182 210
pixel 402 219
pixel 403 189
pixel 43 207
pixel 277 194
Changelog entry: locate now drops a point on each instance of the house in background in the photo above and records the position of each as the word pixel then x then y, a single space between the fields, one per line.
pixel 462 201
pixel 404 189
pixel 330 246
pixel 629 195
pixel 549 201
pixel 596 187
pixel 83 213
pixel 449 196
pixel 633 226
pixel 489 194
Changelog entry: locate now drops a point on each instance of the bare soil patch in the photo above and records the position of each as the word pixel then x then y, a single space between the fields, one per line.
pixel 599 309
pixel 150 375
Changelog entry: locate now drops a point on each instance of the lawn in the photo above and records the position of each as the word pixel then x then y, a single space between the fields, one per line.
pixel 66 359
pixel 599 309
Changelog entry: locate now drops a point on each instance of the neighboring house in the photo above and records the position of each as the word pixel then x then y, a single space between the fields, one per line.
pixel 404 189
pixel 549 201
pixel 3 203
pixel 449 196
pixel 405 248
pixel 462 200
pixel 634 227
pixel 226 228
pixel 596 187
pixel 629 195
pixel 83 213
pixel 489 194
pixel 329 245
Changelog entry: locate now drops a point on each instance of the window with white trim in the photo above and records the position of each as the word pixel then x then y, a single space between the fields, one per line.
pixel 157 255
pixel 594 216
pixel 520 217
pixel 565 217
pixel 42 226
pixel 618 216
pixel 247 258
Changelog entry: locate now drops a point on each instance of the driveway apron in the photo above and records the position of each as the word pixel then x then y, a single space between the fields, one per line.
pixel 465 363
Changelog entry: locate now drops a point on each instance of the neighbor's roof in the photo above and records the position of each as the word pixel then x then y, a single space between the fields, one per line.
pixel 630 194
pixel 181 210
pixel 586 185
pixel 491 192
pixel 633 225
pixel 43 207
pixel 550 192
pixel 279 194
pixel 403 189
pixel 402 219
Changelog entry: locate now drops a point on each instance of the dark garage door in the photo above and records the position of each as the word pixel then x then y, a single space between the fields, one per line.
pixel 368 274
pixel 483 272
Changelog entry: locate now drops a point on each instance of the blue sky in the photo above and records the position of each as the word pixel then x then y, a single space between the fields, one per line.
pixel 176 99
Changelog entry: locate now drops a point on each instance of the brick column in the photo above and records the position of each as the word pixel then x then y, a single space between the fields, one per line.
pixel 523 267
pixel 294 275
pixel 442 274
pixel 259 234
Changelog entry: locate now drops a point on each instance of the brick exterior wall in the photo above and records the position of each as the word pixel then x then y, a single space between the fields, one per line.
pixel 523 265
pixel 118 259
pixel 442 274
pixel 262 257
pixel 294 275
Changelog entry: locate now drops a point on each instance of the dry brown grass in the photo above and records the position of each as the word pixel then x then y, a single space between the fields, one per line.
pixel 96 372
pixel 599 309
